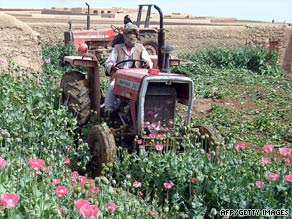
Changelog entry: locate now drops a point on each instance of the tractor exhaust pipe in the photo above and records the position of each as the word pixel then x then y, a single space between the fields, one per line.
pixel 88 16
pixel 166 50
pixel 161 38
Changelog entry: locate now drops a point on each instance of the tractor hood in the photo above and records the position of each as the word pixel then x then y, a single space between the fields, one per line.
pixel 129 81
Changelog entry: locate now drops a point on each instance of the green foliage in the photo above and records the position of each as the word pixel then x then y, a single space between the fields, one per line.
pixel 202 183
pixel 258 60
pixel 34 124
pixel 52 57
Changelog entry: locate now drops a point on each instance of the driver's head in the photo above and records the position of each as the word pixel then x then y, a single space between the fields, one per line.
pixel 131 34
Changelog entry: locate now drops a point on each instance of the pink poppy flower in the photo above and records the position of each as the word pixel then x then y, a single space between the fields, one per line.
pixel 74 176
pixel 110 207
pixel 193 179
pixel 47 169
pixel 59 209
pixel 36 164
pixel 285 151
pixel 153 125
pixel 80 202
pixel 68 147
pixel 153 135
pixel 47 61
pixel 137 184
pixel 273 176
pixel 239 146
pixel 154 213
pixel 287 160
pixel 9 200
pixel 83 180
pixel 93 190
pixel 89 211
pixel 170 123
pixel 265 160
pixel 141 146
pixel 67 160
pixel 209 155
pixel 146 124
pixel 32 69
pixel 61 191
pixel 161 136
pixel 260 184
pixel 4 131
pixel 268 148
pixel 39 172
pixel 139 141
pixel 288 178
pixel 55 182
pixel 168 185
pixel 2 163
pixel 159 147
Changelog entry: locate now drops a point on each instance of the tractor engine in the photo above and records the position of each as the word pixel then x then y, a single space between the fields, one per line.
pixel 159 109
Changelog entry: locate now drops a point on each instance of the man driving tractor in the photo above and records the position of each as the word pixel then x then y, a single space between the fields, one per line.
pixel 129 50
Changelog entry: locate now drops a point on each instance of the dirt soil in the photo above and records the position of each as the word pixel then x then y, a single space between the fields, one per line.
pixel 18 43
pixel 22 36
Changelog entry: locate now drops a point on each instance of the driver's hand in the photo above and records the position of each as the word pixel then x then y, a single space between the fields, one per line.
pixel 147 65
pixel 114 68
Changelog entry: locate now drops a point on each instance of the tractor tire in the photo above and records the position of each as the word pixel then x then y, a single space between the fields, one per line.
pixel 214 137
pixel 102 145
pixel 151 47
pixel 75 95
pixel 150 43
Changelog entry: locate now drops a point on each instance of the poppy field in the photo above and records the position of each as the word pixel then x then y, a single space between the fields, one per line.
pixel 44 175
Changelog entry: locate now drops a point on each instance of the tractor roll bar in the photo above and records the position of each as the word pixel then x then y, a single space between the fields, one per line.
pixel 161 32
pixel 88 16
pixel 161 38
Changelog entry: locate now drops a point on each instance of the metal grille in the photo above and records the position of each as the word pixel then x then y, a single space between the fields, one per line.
pixel 159 110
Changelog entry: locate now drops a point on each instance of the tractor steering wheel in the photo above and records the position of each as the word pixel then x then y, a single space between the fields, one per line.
pixel 116 29
pixel 143 63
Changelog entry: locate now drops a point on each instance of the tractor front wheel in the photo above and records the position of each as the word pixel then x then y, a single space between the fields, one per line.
pixel 102 145
pixel 210 137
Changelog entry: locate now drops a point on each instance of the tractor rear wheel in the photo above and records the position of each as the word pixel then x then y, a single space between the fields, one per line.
pixel 150 43
pixel 210 137
pixel 151 47
pixel 102 145
pixel 75 95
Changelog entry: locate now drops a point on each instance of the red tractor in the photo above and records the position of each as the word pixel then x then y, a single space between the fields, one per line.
pixel 151 102
pixel 100 41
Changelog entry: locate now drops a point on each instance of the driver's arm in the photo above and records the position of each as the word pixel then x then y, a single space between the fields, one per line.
pixel 111 61
pixel 146 57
